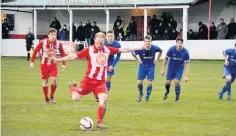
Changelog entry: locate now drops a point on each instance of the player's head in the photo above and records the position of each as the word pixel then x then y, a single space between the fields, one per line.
pixel 235 46
pixel 179 43
pixel 29 30
pixel 147 41
pixel 110 36
pixel 52 34
pixel 99 40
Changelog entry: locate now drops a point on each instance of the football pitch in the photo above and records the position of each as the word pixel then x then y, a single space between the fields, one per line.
pixel 198 113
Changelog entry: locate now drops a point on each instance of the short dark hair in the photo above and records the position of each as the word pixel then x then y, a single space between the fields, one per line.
pixel 109 32
pixel 179 39
pixel 148 37
pixel 52 30
pixel 235 44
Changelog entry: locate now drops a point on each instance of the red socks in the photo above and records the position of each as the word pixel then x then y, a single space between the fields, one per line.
pixel 45 91
pixel 53 89
pixel 100 114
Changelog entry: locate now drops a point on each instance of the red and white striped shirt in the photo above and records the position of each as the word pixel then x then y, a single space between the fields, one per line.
pixel 44 45
pixel 97 61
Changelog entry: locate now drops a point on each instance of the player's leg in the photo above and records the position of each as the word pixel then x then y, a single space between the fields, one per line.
pixel 227 86
pixel 140 89
pixel 178 76
pixel 102 92
pixel 177 89
pixel 28 48
pixel 45 76
pixel 76 92
pixel 101 109
pixel 45 90
pixel 229 91
pixel 169 77
pixel 150 78
pixel 142 72
pixel 53 89
pixel 108 80
pixel 53 74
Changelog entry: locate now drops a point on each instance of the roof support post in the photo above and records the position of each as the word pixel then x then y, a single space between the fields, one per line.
pixel 107 19
pixel 145 22
pixel 71 26
pixel 35 26
pixel 185 25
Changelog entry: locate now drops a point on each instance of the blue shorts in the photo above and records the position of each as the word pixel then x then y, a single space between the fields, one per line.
pixel 229 72
pixel 146 71
pixel 174 74
pixel 111 73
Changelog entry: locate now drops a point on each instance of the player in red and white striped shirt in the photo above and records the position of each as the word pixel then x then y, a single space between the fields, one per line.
pixel 49 47
pixel 95 77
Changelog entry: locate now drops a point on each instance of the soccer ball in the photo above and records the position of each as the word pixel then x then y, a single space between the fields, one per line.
pixel 86 123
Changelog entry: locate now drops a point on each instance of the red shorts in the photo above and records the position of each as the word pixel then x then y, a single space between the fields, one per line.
pixel 88 85
pixel 48 70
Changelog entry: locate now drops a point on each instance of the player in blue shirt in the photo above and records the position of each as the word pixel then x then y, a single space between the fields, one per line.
pixel 178 59
pixel 147 59
pixel 229 71
pixel 112 60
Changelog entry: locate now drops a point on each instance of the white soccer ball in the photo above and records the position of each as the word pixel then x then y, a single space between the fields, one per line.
pixel 86 123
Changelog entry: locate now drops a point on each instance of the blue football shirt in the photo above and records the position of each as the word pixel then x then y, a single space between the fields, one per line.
pixel 231 53
pixel 112 61
pixel 177 59
pixel 148 56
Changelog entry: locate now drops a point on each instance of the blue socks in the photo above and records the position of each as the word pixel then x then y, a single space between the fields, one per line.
pixel 149 90
pixel 227 87
pixel 108 85
pixel 140 88
pixel 177 91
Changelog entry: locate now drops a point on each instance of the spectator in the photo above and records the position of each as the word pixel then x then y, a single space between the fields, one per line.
pixel 125 29
pixel 180 34
pixel 161 28
pixel 118 19
pixel 74 32
pixel 149 31
pixel 55 24
pixel 132 30
pixel 5 29
pixel 203 31
pixel 232 29
pixel 166 35
pixel 173 23
pixel 87 32
pixel 157 35
pixel 191 35
pixel 169 27
pixel 118 30
pixel 154 23
pixel 222 29
pixel 29 38
pixel 120 37
pixel 63 33
pixel 94 29
pixel 173 34
pixel 213 32
pixel 164 22
pixel 80 32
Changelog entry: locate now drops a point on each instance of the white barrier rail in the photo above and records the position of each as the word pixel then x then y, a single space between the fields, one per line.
pixel 198 49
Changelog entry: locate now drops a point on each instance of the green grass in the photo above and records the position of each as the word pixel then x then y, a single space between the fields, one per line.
pixel 198 113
